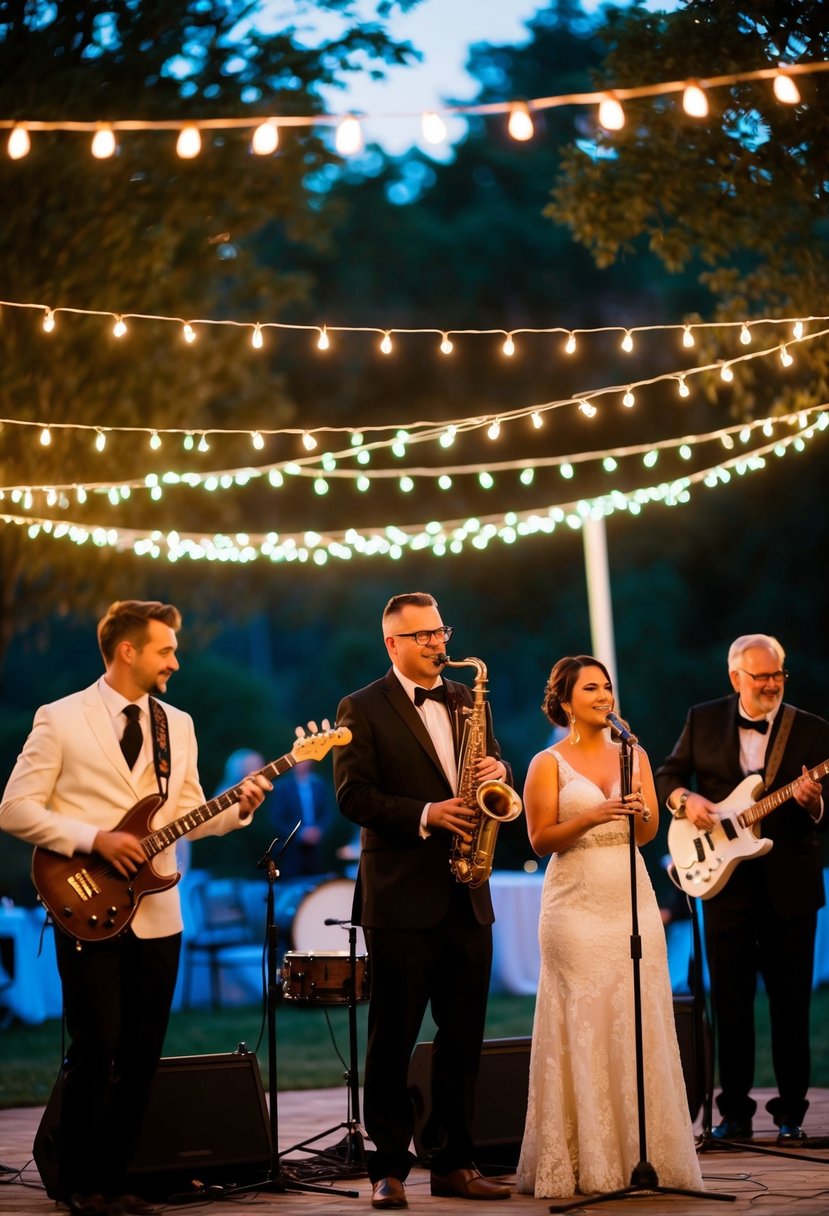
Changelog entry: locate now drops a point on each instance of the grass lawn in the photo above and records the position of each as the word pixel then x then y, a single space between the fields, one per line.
pixel 312 1043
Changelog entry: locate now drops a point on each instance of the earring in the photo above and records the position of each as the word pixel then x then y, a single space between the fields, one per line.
pixel 575 737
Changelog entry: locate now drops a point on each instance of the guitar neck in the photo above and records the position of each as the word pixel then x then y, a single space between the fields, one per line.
pixel 170 832
pixel 758 810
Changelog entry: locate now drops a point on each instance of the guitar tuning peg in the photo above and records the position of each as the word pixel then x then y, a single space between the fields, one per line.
pixel 312 726
pixel 326 725
pixel 300 732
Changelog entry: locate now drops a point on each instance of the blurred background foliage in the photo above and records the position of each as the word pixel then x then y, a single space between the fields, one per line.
pixel 665 224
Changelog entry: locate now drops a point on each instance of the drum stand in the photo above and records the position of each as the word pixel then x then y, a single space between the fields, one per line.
pixel 278 1180
pixel 347 1157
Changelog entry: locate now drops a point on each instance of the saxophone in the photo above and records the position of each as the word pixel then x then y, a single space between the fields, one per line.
pixel 494 801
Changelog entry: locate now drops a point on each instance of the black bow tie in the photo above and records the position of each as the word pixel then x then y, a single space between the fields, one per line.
pixel 761 724
pixel 438 693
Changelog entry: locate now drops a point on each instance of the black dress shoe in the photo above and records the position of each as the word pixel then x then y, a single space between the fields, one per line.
pixel 790 1133
pixel 388 1193
pixel 732 1129
pixel 467 1184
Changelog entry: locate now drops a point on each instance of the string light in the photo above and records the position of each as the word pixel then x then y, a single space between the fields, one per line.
pixel 611 114
pixel 682 387
pixel 628 400
pixel 189 333
pixel 520 124
pixel 19 143
pixel 103 142
pixel 386 344
pixel 785 89
pixel 349 137
pixel 256 339
pixel 45 437
pixel 509 346
pixel 627 342
pixel 155 441
pixel 694 101
pixel 494 430
pixel 323 342
pixel 265 138
pixel 570 344
pixel 100 441
pixel 119 328
pixel 433 127
pixel 48 321
pixel 688 336
pixel 785 358
pixel 745 335
pixel 188 145
pixel 726 372
pixel 446 345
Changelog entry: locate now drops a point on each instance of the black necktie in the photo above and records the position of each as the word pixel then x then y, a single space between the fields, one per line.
pixel 132 739
pixel 761 724
pixel 438 693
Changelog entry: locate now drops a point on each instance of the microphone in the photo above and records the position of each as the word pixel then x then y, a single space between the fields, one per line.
pixel 330 920
pixel 619 727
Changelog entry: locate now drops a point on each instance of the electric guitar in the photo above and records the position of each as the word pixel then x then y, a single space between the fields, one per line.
pixel 86 896
pixel 704 861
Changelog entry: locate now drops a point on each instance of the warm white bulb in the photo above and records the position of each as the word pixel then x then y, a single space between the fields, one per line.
pixel 155 441
pixel 726 372
pixel 570 345
pixel 684 390
pixel 349 138
pixel 537 420
pixel 48 321
pixel 588 409
pixel 745 335
pixel 509 346
pixel 494 430
pixel 19 144
pixel 203 445
pixel 687 336
pixel 308 442
pixel 257 441
pixel 611 114
pixel 786 90
pixel 797 330
pixel 119 328
pixel 627 342
pixel 629 400
pixel 520 124
pixel 446 346
pixel 189 142
pixel 46 436
pixel 103 143
pixel 257 341
pixel 265 138
pixel 100 441
pixel 694 101
pixel 189 332
pixel 433 126
pixel 323 341
pixel 785 358
pixel 385 345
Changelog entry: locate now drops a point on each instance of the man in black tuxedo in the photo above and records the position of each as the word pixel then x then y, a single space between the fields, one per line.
pixel 764 918
pixel 429 937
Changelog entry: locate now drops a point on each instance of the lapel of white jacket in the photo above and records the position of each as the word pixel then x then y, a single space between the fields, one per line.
pixel 98 720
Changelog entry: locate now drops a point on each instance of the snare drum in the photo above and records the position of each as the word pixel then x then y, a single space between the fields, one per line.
pixel 316 978
pixel 304 904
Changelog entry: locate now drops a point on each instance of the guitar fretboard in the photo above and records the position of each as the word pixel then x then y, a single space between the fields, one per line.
pixel 170 832
pixel 771 801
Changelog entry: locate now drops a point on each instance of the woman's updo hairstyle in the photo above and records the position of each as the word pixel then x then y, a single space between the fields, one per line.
pixel 560 685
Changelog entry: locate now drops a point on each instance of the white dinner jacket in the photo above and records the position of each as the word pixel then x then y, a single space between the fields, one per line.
pixel 71 780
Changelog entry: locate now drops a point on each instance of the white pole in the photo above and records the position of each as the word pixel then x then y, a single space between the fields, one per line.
pixel 598 596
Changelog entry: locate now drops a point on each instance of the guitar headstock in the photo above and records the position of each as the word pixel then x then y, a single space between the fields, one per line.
pixel 320 742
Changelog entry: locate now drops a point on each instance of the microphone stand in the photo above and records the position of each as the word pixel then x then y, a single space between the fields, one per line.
pixel 643 1179
pixel 277 1180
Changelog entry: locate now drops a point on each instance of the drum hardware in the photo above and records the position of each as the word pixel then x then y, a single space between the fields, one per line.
pixel 346 1158
pixel 278 1179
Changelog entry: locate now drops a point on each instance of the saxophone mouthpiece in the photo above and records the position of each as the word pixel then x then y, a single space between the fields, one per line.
pixel 441 659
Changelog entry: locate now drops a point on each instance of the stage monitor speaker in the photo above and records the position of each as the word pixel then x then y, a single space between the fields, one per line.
pixel 207 1125
pixel 693 1031
pixel 500 1101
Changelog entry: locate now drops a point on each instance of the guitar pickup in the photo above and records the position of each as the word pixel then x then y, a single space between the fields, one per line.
pixel 729 829
pixel 84 885
pixel 699 849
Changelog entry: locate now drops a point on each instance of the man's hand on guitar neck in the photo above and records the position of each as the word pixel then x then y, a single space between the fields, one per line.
pixel 120 849
pixel 253 792
pixel 808 793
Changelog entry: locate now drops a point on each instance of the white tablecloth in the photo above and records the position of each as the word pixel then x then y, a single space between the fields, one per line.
pixel 31 987
pixel 516 897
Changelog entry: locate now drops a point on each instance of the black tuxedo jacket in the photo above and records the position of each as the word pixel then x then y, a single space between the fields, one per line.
pixel 383 778
pixel 706 757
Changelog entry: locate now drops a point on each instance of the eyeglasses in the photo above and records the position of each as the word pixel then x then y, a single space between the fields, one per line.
pixel 424 636
pixel 766 677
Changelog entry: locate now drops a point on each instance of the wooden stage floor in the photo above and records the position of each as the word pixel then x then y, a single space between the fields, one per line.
pixel 765 1182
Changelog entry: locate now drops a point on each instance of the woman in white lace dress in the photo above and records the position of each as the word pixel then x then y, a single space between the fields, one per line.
pixel 582 1127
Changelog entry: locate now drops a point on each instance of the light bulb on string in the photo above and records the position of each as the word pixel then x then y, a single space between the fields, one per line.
pixel 48 320
pixel 100 441
pixel 520 124
pixel 155 441
pixel 688 338
pixel 537 420
pixel 189 333
pixel 308 441
pixel 611 114
pixel 45 437
pixel 446 345
pixel 433 127
pixel 797 330
pixel 627 342
pixel 265 138
pixel 323 341
pixel 588 409
pixel 727 372
pixel 570 344
pixel 785 89
pixel 682 387
pixel 509 346
pixel 628 401
pixel 386 344
pixel 445 481
pixel 494 429
pixel 448 437
pixel 188 144
pixel 694 101
pixel 256 340
pixel 257 441
pixel 204 446
pixel 19 144
pixel 785 358
pixel 349 137
pixel 103 142
pixel 119 328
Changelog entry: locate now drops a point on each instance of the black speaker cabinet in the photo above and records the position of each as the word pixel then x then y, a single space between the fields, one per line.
pixel 500 1100
pixel 693 1030
pixel 207 1124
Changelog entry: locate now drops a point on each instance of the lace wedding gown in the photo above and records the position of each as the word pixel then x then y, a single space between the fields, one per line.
pixel 582 1128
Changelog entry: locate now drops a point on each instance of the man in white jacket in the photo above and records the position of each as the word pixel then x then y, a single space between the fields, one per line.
pixel 74 782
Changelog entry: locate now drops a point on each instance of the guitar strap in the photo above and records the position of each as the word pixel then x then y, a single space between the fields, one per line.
pixel 786 719
pixel 161 746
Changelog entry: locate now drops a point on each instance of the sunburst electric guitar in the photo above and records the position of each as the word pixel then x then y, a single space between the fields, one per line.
pixel 86 896
pixel 704 861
